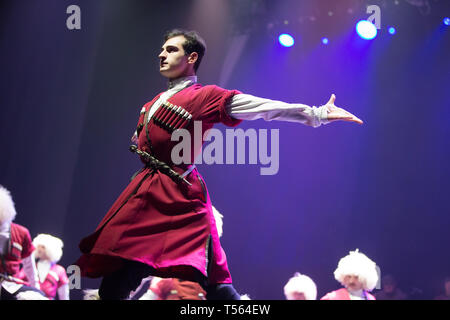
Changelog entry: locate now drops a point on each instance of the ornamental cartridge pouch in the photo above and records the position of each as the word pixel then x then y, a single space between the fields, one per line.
pixel 171 117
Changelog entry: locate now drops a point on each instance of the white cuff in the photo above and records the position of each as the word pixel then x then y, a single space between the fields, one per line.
pixel 63 292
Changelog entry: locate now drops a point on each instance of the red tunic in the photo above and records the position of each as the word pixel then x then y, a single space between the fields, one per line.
pixel 166 225
pixel 20 247
pixel 175 289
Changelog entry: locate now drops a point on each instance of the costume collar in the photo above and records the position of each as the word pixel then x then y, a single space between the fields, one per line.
pixel 43 267
pixel 182 82
pixel 357 293
pixel 5 227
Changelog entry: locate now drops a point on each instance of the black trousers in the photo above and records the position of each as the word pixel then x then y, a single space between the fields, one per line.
pixel 119 284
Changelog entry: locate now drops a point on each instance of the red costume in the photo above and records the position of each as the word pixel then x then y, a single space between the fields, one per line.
pixel 164 224
pixel 342 294
pixel 20 247
pixel 175 289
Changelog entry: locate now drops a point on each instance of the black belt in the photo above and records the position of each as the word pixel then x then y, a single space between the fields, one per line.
pixel 159 165
pixel 7 277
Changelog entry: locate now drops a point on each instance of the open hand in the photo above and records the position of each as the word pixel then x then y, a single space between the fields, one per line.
pixel 336 113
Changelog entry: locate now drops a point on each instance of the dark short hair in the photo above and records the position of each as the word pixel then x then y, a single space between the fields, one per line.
pixel 193 43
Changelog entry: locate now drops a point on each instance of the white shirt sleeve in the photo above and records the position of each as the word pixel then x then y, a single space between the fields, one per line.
pixel 29 267
pixel 247 107
pixel 63 292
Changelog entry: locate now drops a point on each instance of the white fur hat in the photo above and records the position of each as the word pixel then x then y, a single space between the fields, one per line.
pixel 7 208
pixel 53 246
pixel 300 283
pixel 357 264
pixel 219 221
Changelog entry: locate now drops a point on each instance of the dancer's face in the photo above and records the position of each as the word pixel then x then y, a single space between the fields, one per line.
pixel 41 253
pixel 173 61
pixel 389 288
pixel 353 283
pixel 298 296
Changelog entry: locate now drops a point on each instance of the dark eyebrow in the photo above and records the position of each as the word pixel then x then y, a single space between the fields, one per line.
pixel 170 46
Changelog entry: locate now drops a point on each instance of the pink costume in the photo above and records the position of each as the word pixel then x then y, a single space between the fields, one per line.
pixel 55 279
pixel 343 294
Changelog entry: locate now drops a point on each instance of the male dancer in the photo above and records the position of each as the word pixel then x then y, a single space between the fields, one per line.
pixel 162 224
pixel 358 276
pixel 300 287
pixel 18 276
pixel 52 276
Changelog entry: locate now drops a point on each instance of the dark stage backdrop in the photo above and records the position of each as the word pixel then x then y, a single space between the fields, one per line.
pixel 70 101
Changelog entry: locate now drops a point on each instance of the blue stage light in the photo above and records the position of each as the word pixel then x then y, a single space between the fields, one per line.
pixel 392 30
pixel 447 21
pixel 325 40
pixel 286 40
pixel 366 30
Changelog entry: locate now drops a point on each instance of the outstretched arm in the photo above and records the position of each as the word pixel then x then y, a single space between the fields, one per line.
pixel 248 107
